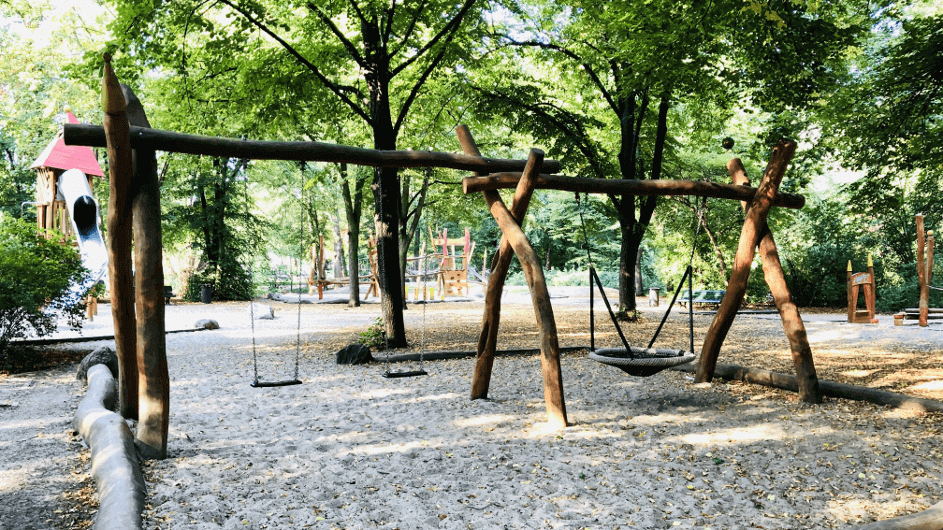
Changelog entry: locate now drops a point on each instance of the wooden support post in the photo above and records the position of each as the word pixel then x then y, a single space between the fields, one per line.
pixel 153 376
pixel 119 239
pixel 753 231
pixel 792 322
pixel 514 241
pixel 922 274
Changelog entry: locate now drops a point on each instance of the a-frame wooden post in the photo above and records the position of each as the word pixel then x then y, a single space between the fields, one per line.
pixel 792 322
pixel 514 242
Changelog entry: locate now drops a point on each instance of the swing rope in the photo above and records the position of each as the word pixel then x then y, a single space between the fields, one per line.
pixel 390 374
pixel 256 382
pixel 635 361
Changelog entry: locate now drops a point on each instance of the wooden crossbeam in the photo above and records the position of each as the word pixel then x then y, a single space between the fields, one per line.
pixel 631 187
pixel 174 142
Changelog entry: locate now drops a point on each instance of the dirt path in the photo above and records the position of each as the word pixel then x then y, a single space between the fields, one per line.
pixel 44 475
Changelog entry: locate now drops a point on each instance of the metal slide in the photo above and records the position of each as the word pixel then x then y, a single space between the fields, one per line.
pixel 85 218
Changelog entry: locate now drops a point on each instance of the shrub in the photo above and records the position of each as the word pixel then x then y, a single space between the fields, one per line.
pixel 42 270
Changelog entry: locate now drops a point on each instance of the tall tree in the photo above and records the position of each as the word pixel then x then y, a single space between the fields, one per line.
pixel 374 57
pixel 616 69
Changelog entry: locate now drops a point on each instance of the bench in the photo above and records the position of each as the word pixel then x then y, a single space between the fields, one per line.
pixel 702 297
pixel 168 294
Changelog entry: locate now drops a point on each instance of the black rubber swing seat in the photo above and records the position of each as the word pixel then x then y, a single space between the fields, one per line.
pixel 641 362
pixel 412 373
pixel 267 384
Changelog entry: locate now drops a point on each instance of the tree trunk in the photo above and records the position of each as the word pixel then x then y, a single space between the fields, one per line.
pixel 338 246
pixel 639 288
pixel 353 207
pixel 386 191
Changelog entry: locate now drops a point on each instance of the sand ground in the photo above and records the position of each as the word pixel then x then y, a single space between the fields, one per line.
pixel 351 449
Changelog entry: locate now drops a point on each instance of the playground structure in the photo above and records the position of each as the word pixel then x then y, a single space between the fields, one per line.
pixel 861 282
pixel 65 201
pixel 452 274
pixel 139 322
pixel 52 211
pixel 923 313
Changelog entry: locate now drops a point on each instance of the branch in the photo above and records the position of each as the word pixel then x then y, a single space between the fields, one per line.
pixel 448 30
pixel 409 30
pixel 333 87
pixel 390 15
pixel 349 46
pixel 576 136
pixel 572 55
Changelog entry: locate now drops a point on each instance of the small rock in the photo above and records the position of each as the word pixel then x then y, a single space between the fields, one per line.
pixel 101 355
pixel 262 312
pixel 354 354
pixel 206 323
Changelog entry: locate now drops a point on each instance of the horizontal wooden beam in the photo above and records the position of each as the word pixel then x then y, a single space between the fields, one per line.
pixel 631 187
pixel 174 142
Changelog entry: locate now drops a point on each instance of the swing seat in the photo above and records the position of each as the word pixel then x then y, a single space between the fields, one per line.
pixel 641 362
pixel 411 373
pixel 268 384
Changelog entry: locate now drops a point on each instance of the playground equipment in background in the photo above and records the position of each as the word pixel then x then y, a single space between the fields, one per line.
pixel 452 276
pixel 923 313
pixel 57 158
pixel 65 201
pixel 317 279
pixel 861 281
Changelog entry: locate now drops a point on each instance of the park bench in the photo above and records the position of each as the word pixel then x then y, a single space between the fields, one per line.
pixel 702 297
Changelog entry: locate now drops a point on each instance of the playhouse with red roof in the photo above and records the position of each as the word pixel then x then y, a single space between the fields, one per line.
pixel 55 160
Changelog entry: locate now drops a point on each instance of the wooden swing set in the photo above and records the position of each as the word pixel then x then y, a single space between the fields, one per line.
pixel 134 208
pixel 755 232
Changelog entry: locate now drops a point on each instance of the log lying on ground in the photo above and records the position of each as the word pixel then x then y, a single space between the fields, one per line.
pixel 929 519
pixel 782 381
pixel 447 355
pixel 173 142
pixel 114 458
pixel 632 187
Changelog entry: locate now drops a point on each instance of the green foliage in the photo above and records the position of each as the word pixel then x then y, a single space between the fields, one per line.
pixel 374 336
pixel 42 270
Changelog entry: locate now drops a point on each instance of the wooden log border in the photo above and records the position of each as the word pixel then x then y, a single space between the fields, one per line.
pixel 114 459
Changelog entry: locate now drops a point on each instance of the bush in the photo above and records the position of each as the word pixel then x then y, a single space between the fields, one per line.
pixel 42 270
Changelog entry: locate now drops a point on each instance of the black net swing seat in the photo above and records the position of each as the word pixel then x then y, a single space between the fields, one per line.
pixel 635 361
pixel 641 362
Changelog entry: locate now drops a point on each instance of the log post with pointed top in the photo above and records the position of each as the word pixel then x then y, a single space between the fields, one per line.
pixel 153 377
pixel 117 136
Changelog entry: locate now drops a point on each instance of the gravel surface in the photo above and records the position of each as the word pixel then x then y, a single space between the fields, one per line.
pixel 351 449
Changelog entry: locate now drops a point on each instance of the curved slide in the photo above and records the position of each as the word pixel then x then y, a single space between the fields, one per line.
pixel 84 215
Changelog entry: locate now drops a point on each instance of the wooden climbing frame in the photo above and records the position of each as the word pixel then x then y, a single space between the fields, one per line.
pixel 861 282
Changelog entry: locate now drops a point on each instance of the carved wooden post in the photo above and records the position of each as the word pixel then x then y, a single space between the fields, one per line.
pixel 153 377
pixel 117 137
pixel 792 322
pixel 922 274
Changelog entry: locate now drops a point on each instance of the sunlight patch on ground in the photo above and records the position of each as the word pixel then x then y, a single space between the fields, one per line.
pixel 768 431
pixel 481 421
pixel 858 373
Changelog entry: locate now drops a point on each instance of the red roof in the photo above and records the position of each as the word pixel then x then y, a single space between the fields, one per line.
pixel 58 155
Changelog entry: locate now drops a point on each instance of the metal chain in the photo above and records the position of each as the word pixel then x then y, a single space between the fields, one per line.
pixel 301 244
pixel 255 362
